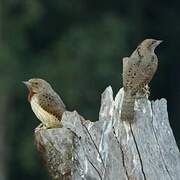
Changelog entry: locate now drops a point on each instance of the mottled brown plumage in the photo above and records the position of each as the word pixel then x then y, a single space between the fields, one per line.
pixel 45 103
pixel 138 71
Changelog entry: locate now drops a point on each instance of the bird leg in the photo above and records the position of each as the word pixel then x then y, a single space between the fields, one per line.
pixel 143 92
pixel 40 127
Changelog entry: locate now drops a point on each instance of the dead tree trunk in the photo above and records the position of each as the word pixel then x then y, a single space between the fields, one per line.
pixel 110 149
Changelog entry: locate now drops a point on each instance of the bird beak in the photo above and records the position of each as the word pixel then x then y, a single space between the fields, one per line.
pixel 158 42
pixel 26 83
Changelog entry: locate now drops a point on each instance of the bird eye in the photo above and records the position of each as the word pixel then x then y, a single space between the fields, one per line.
pixel 36 83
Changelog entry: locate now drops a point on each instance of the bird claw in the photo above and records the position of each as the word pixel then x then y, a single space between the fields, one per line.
pixel 40 127
pixel 144 92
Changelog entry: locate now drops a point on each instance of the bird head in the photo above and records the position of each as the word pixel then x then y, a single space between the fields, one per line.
pixel 36 85
pixel 150 44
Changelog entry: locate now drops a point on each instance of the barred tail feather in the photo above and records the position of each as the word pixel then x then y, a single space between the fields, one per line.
pixel 127 110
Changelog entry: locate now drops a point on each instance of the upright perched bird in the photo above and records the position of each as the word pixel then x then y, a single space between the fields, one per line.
pixel 45 103
pixel 138 71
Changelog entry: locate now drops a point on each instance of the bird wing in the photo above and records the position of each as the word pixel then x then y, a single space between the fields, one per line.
pixel 130 66
pixel 136 74
pixel 52 103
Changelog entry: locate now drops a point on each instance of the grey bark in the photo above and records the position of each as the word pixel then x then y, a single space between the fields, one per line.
pixel 110 149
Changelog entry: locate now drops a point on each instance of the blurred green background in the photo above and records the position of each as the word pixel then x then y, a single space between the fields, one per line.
pixel 78 46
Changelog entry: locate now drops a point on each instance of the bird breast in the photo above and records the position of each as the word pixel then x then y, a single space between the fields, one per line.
pixel 45 117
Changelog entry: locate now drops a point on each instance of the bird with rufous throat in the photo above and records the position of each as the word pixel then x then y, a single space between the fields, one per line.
pixel 45 103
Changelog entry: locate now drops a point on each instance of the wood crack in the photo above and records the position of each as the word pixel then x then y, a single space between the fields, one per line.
pixel 87 155
pixel 159 145
pixel 122 152
pixel 94 168
pixel 94 145
pixel 139 154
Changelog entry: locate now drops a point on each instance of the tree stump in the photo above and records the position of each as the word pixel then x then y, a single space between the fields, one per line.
pixel 110 149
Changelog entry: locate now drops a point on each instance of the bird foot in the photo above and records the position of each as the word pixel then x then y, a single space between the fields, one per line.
pixel 144 92
pixel 40 127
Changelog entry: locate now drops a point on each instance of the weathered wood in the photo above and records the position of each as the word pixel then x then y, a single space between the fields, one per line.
pixel 110 149
pixel 56 146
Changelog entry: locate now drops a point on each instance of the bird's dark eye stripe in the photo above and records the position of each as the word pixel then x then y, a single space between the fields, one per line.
pixel 153 42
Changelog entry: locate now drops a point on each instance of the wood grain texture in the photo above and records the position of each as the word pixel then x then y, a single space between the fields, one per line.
pixel 111 149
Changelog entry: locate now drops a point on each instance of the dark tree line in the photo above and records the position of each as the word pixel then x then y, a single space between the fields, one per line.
pixel 78 46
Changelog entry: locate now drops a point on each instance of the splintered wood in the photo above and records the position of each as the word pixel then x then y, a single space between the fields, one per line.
pixel 111 149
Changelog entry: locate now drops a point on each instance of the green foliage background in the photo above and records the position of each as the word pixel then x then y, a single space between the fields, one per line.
pixel 78 46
